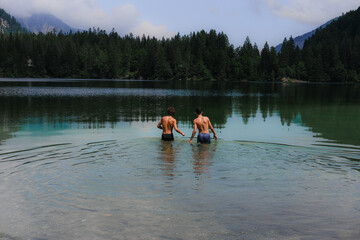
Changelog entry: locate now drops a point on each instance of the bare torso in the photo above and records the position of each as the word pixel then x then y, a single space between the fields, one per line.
pixel 168 123
pixel 202 124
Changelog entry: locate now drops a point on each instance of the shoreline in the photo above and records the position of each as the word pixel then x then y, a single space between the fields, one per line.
pixel 292 80
pixel 65 80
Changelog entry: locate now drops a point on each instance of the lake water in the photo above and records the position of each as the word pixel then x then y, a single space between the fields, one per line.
pixel 84 160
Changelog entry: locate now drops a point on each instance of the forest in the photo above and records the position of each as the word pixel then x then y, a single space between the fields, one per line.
pixel 331 54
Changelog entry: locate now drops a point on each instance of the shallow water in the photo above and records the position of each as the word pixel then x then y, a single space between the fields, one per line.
pixel 83 160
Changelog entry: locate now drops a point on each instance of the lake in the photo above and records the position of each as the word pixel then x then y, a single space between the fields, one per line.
pixel 82 159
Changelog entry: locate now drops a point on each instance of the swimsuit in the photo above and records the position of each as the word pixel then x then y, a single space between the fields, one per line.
pixel 167 137
pixel 203 138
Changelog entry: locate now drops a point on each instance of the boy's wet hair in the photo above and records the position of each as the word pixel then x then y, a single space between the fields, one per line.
pixel 171 111
pixel 198 110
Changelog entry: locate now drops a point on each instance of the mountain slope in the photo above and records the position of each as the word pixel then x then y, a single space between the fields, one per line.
pixel 45 23
pixel 334 51
pixel 8 24
pixel 299 40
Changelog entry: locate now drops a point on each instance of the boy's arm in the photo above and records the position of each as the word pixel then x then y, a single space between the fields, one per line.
pixel 212 129
pixel 160 125
pixel 194 132
pixel 176 129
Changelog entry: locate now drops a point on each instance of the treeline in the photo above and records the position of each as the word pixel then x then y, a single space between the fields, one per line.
pixel 333 53
pixel 96 54
pixel 330 55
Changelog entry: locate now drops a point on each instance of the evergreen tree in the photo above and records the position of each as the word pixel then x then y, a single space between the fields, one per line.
pixel 331 54
pixel 266 62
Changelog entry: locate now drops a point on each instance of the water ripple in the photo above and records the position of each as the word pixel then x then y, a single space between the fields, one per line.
pixel 94 92
pixel 140 178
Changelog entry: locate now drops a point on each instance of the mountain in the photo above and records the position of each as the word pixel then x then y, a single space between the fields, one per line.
pixel 8 24
pixel 299 40
pixel 334 51
pixel 45 23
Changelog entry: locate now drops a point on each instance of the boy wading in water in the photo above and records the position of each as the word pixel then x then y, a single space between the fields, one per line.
pixel 203 124
pixel 167 124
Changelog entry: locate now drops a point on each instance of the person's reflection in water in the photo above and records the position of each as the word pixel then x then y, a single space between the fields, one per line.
pixel 203 156
pixel 168 153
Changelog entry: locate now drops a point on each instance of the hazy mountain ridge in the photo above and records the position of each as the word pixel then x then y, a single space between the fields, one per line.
pixel 9 24
pixel 300 40
pixel 45 23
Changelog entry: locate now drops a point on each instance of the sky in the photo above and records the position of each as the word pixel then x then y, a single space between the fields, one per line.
pixel 262 20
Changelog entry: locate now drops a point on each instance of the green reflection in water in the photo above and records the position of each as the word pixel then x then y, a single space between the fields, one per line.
pixel 330 111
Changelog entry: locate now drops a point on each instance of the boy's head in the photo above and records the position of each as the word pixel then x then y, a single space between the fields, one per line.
pixel 171 111
pixel 198 110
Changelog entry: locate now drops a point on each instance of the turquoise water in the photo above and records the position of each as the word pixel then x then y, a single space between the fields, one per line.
pixel 84 160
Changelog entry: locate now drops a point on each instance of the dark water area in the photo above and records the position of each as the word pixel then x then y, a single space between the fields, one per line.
pixel 82 159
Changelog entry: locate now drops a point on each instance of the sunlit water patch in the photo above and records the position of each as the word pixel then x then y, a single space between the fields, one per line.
pixel 94 92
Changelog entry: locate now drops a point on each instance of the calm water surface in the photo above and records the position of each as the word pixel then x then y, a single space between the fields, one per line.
pixel 84 160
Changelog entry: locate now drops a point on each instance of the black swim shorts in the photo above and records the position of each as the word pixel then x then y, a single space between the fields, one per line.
pixel 167 137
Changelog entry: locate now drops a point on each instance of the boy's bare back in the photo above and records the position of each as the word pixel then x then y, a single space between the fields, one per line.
pixel 202 124
pixel 168 123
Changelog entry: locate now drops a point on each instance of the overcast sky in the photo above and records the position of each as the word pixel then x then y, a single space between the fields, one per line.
pixel 261 20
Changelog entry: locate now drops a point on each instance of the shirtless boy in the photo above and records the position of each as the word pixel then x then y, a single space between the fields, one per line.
pixel 203 124
pixel 167 124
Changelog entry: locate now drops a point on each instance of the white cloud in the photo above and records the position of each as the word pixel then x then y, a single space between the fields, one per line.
pixel 147 28
pixel 84 14
pixel 310 11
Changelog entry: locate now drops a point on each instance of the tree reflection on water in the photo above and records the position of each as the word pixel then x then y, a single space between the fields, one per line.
pixel 332 111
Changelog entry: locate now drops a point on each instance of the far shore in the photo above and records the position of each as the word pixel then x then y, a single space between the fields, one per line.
pixel 292 80
pixel 283 80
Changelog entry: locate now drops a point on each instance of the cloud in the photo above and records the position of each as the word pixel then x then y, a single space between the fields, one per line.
pixel 147 28
pixel 85 14
pixel 309 11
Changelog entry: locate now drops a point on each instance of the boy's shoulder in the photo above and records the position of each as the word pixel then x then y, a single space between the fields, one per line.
pixel 205 117
pixel 171 118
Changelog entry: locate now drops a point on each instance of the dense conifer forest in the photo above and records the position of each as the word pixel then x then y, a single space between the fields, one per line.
pixel 331 54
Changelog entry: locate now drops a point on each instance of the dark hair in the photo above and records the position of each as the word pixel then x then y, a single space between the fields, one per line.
pixel 171 111
pixel 198 110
